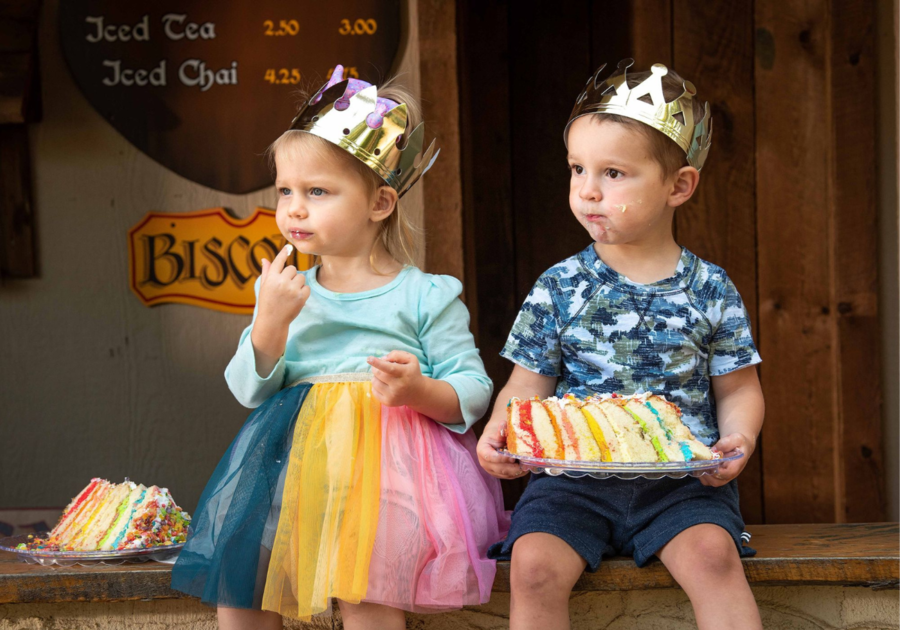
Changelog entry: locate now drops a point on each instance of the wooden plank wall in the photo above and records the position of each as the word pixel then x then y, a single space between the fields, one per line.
pixel 20 103
pixel 713 41
pixel 488 222
pixel 786 205
pixel 440 98
pixel 817 259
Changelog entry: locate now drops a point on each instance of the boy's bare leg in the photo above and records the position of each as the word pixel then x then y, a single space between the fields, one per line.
pixel 364 616
pixel 246 619
pixel 542 573
pixel 705 562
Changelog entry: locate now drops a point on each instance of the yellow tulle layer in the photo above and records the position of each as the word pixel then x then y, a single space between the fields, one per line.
pixel 329 514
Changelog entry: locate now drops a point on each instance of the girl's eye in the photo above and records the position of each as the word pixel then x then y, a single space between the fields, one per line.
pixel 284 191
pixel 578 170
pixel 613 173
pixel 316 192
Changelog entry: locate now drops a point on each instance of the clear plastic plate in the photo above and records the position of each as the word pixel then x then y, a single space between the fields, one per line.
pixel 85 558
pixel 622 470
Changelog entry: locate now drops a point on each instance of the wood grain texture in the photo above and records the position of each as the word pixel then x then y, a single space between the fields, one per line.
pixel 858 555
pixel 786 206
pixel 713 48
pixel 652 32
pixel 485 132
pixel 860 449
pixel 407 70
pixel 796 323
pixel 550 58
pixel 14 72
pixel 552 54
pixel 18 258
pixel 19 77
pixel 440 103
pixel 818 260
pixel 849 555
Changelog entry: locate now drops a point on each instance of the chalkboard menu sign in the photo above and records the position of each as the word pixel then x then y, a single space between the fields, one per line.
pixel 204 87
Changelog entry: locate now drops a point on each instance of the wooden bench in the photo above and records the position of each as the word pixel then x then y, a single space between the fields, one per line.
pixel 820 555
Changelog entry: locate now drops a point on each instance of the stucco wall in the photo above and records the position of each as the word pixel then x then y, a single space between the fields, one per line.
pixel 788 608
pixel 93 383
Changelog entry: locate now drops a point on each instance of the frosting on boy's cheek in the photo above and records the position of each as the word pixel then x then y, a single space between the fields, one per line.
pixel 624 206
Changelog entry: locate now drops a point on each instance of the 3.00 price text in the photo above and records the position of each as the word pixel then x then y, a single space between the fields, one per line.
pixel 359 27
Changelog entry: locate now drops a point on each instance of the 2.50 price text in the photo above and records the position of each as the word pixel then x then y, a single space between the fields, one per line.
pixel 285 27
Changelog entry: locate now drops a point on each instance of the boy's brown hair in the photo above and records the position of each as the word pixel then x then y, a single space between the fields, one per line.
pixel 664 151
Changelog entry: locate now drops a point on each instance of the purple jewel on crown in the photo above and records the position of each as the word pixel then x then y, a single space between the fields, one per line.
pixel 382 106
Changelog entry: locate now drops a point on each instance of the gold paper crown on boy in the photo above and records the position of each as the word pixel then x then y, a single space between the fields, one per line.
pixel 675 119
pixel 349 114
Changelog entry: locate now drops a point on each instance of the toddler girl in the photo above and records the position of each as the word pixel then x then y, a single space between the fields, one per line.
pixel 356 477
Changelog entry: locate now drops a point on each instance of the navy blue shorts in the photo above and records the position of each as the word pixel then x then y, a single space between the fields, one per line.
pixel 607 517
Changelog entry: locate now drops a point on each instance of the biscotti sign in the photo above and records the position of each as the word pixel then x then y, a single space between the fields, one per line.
pixel 206 258
pixel 204 87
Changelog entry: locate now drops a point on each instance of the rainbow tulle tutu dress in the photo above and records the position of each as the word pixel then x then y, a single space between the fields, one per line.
pixel 325 493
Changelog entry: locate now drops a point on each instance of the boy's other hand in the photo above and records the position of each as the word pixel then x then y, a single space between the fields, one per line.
pixel 730 470
pixel 496 464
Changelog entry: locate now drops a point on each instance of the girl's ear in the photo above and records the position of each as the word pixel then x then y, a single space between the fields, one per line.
pixel 685 183
pixel 385 203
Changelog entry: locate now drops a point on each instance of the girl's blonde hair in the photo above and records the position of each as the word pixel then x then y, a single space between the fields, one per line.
pixel 398 234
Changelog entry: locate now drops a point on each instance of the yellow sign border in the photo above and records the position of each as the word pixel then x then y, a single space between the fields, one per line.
pixel 181 298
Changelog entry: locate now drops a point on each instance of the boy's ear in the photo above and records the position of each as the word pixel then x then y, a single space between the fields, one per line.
pixel 683 186
pixel 385 203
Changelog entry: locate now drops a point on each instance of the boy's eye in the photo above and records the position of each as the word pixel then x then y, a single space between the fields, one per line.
pixel 578 170
pixel 316 192
pixel 284 191
pixel 613 173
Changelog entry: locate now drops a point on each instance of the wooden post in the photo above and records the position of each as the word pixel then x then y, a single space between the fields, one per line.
pixel 713 47
pixel 17 254
pixel 440 102
pixel 817 274
pixel 19 104
pixel 652 36
pixel 490 260
pixel 860 449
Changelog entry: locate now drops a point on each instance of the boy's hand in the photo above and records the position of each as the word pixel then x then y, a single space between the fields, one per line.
pixel 282 291
pixel 496 464
pixel 730 470
pixel 524 384
pixel 396 379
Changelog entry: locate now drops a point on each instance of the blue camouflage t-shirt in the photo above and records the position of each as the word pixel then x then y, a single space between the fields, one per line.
pixel 599 332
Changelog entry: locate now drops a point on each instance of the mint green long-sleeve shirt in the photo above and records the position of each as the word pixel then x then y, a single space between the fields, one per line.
pixel 335 333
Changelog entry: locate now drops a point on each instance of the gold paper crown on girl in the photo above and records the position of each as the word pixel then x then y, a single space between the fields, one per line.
pixel 349 114
pixel 674 119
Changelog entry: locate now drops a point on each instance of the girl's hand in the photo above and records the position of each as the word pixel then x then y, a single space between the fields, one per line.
pixel 396 379
pixel 282 290
pixel 730 470
pixel 493 462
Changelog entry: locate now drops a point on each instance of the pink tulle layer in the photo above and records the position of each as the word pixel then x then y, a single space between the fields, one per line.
pixel 439 513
